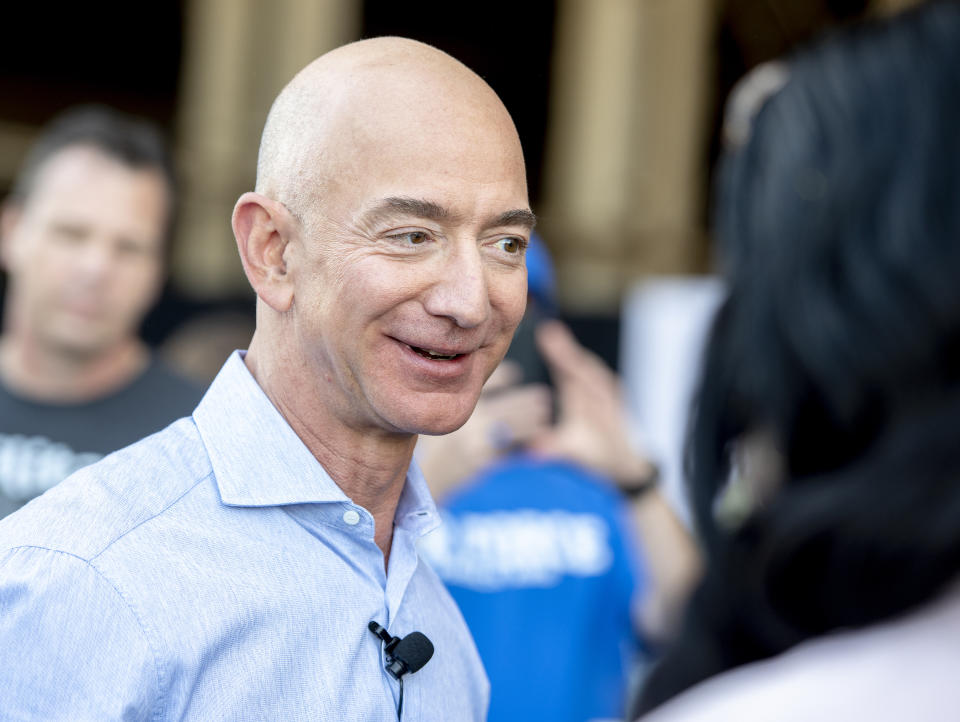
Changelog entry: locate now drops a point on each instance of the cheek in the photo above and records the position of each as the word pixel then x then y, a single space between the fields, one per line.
pixel 139 283
pixel 375 286
pixel 46 271
pixel 53 257
pixel 509 296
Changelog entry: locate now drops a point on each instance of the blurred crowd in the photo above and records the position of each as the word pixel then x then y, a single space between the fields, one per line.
pixel 810 570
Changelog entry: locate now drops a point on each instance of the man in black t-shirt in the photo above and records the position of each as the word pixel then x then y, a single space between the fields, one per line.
pixel 82 238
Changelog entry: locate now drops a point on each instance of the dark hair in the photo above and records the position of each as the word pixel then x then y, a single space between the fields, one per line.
pixel 839 225
pixel 133 141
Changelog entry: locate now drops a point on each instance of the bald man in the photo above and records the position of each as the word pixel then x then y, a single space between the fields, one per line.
pixel 229 567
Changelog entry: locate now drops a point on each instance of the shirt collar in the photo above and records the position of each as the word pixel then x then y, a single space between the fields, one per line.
pixel 416 510
pixel 258 459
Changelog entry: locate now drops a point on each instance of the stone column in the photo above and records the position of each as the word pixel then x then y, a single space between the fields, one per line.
pixel 625 153
pixel 238 54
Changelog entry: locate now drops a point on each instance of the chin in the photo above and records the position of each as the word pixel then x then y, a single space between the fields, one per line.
pixel 440 429
pixel 436 427
pixel 82 347
pixel 433 421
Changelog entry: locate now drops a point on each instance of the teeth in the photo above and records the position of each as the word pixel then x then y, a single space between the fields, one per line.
pixel 434 354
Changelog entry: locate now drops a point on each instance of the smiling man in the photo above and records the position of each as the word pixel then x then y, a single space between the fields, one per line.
pixel 229 566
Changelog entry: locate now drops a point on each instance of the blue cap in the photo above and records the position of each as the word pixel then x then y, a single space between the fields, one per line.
pixel 541 281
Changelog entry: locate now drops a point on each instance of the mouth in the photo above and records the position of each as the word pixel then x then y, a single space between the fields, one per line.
pixel 84 310
pixel 435 363
pixel 435 355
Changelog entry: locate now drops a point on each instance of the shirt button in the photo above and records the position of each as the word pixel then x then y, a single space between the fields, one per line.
pixel 351 517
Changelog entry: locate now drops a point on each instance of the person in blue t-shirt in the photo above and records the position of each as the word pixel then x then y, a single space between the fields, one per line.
pixel 563 558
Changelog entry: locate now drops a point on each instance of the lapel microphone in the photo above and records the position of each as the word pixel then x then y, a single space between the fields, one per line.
pixel 403 656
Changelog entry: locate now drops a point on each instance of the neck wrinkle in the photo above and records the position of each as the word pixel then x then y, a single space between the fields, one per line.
pixel 370 468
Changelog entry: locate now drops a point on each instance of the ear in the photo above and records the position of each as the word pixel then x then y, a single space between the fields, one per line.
pixel 262 227
pixel 9 218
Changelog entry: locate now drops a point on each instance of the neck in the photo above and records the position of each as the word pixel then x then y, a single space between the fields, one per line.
pixel 369 466
pixel 43 373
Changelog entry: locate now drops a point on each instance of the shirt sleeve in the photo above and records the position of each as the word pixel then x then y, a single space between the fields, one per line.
pixel 71 648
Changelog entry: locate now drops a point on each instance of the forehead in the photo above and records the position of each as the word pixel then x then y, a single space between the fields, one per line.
pixel 448 140
pixel 445 123
pixel 82 164
pixel 89 183
pixel 465 173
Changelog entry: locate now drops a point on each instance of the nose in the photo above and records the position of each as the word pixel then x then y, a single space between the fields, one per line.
pixel 94 262
pixel 460 292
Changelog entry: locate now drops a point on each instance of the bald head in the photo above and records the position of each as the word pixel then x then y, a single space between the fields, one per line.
pixel 385 240
pixel 371 97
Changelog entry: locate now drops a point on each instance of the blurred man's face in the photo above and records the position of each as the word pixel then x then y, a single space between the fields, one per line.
pixel 84 251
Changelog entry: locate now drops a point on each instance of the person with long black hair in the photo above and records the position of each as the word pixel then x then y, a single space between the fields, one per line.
pixel 824 449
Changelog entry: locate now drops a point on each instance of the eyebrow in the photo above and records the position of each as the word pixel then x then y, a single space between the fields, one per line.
pixel 393 206
pixel 69 228
pixel 517 217
pixel 435 212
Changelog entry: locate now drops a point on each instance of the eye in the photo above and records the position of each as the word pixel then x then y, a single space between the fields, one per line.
pixel 412 238
pixel 130 248
pixel 68 234
pixel 511 244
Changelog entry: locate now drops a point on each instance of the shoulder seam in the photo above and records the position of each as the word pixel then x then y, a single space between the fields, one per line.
pixel 140 625
pixel 136 526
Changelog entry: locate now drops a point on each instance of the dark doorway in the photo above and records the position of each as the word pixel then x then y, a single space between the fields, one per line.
pixel 508 44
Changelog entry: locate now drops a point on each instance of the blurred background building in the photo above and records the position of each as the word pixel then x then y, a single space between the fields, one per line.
pixel 617 103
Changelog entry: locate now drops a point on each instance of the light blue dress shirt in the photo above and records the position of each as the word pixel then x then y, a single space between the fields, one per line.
pixel 214 571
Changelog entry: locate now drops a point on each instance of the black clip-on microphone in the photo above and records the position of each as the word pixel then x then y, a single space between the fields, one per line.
pixel 404 656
